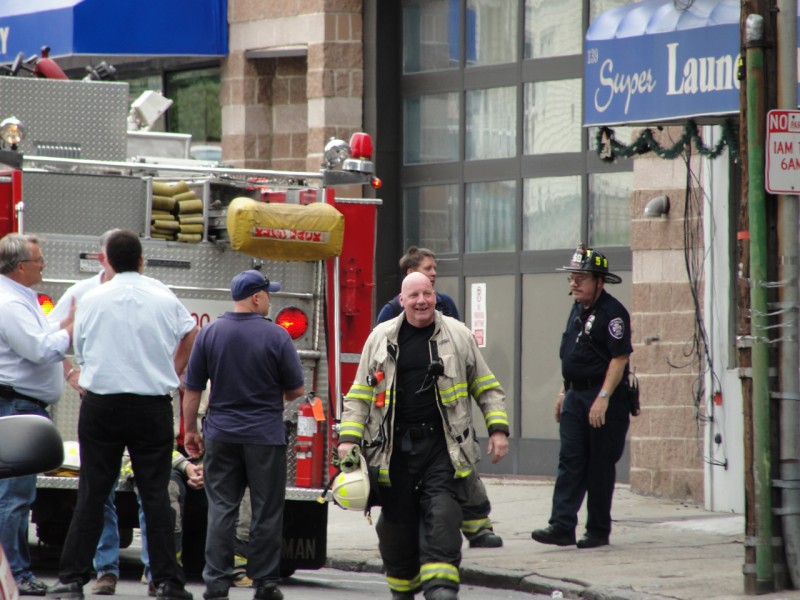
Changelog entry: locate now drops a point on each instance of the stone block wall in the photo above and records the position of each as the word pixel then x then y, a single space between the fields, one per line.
pixel 279 110
pixel 666 440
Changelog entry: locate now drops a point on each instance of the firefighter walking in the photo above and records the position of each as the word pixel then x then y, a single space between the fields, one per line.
pixel 410 409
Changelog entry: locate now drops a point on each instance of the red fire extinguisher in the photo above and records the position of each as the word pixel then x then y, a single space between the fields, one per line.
pixel 309 446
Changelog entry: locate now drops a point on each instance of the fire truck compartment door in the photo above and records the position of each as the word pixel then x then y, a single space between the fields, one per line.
pixel 277 231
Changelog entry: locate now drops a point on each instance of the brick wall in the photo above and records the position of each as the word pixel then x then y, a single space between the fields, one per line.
pixel 278 113
pixel 666 440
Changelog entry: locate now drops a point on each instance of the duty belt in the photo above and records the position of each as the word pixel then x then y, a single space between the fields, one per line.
pixel 579 385
pixel 9 393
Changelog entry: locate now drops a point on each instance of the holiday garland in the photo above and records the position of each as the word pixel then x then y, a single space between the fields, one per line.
pixel 608 148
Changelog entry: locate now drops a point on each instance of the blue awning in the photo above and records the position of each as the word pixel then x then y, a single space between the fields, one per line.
pixel 651 62
pixel 113 27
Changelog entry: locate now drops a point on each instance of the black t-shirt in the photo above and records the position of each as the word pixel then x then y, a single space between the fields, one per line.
pixel 593 337
pixel 413 360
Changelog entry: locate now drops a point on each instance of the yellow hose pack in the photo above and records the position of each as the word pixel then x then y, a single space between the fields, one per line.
pixel 277 231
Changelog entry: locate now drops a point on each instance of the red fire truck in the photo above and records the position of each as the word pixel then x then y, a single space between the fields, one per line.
pixel 73 177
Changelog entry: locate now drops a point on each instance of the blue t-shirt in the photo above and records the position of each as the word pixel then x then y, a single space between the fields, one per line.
pixel 251 361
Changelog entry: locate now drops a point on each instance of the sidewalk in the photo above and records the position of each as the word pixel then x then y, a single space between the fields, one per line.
pixel 659 549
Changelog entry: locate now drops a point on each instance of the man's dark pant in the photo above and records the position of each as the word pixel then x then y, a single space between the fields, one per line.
pixel 587 462
pixel 109 423
pixel 419 525
pixel 227 470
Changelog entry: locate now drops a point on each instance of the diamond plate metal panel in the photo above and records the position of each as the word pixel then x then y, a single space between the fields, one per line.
pixel 74 204
pixel 88 116
pixel 203 272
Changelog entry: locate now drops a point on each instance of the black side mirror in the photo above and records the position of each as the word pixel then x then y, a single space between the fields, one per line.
pixel 29 444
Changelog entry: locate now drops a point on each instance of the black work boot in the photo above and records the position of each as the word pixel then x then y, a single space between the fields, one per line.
pixel 554 537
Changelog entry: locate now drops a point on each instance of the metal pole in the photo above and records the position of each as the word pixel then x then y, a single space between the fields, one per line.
pixel 788 251
pixel 756 117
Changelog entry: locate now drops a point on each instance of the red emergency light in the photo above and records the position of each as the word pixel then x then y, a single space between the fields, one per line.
pixel 293 320
pixel 361 146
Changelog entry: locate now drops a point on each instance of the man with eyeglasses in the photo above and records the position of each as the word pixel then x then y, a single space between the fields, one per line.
pixel 254 369
pixel 591 411
pixel 31 352
pixel 410 409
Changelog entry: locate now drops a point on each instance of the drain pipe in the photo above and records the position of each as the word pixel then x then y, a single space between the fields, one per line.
pixel 789 482
pixel 756 117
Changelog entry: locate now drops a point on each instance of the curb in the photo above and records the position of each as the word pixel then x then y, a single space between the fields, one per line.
pixel 510 580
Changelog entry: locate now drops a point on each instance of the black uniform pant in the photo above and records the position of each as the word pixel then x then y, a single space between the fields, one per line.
pixel 419 526
pixel 107 424
pixel 475 507
pixel 587 462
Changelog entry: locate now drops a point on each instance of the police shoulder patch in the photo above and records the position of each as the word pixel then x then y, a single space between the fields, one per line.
pixel 616 327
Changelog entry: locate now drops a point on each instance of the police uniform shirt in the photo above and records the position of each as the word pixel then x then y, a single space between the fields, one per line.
pixel 593 337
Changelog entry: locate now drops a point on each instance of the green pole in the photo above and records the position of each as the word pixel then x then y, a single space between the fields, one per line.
pixel 756 123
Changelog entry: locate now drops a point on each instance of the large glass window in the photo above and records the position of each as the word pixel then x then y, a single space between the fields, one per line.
pixel 553 116
pixel 196 106
pixel 431 218
pixel 551 213
pixel 491 217
pixel 430 128
pixel 491 123
pixel 609 209
pixel 552 28
pixel 491 32
pixel 430 35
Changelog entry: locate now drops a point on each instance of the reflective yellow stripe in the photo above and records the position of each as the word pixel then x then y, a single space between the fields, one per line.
pixel 441 571
pixel 481 384
pixel 454 393
pixel 403 585
pixel 352 428
pixel 462 471
pixel 475 525
pixel 496 417
pixel 383 477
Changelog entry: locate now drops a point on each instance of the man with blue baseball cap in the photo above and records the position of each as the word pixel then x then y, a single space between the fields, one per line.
pixel 247 283
pixel 254 368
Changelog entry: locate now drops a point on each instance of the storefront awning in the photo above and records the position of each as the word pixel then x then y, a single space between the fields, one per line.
pixel 652 62
pixel 113 27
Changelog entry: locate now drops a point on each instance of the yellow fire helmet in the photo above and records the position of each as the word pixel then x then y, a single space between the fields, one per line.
pixel 351 490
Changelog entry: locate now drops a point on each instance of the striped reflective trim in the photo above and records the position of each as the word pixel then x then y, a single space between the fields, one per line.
pixel 403 585
pixel 496 417
pixel 454 393
pixel 475 525
pixel 463 470
pixel 439 571
pixel 365 394
pixel 360 392
pixel 481 384
pixel 352 428
pixel 383 477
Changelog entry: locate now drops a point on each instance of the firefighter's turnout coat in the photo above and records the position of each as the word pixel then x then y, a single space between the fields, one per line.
pixel 466 374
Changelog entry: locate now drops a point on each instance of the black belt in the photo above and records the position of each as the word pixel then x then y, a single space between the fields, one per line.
pixel 418 431
pixel 9 393
pixel 580 385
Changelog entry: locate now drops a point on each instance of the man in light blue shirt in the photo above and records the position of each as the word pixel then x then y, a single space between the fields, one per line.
pixel 106 558
pixel 31 351
pixel 132 339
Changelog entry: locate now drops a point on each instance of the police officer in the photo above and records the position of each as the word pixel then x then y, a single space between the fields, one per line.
pixel 591 409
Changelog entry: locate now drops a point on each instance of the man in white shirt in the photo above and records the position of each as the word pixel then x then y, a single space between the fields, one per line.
pixel 132 339
pixel 30 380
